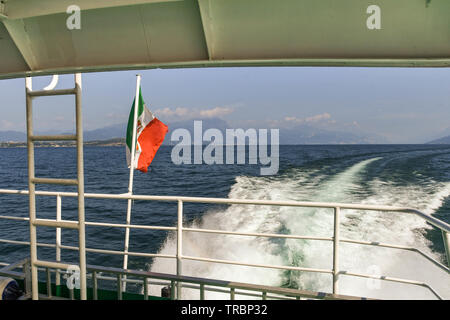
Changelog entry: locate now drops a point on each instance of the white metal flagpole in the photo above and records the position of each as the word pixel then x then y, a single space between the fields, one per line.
pixel 132 167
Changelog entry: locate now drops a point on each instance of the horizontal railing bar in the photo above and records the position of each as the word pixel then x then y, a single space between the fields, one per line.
pixel 258 265
pixel 63 137
pixel 52 264
pixel 217 260
pixel 394 246
pixel 43 93
pixel 27 243
pixel 9 269
pixel 220 283
pixel 392 279
pixel 269 235
pixel 132 226
pixel 89 275
pixel 137 254
pixel 434 221
pixel 232 233
pixel 12 274
pixel 165 283
pixel 101 224
pixel 187 286
pixel 14 218
pixel 54 181
pixel 160 283
pixel 225 291
pixel 214 200
pixel 49 245
pixel 250 234
pixel 237 292
pixel 56 224
pixel 16 265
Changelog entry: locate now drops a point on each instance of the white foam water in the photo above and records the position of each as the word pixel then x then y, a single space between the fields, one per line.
pixel 298 184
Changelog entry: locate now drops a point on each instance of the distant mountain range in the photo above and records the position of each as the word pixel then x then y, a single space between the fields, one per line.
pixel 444 140
pixel 6 136
pixel 106 133
pixel 301 134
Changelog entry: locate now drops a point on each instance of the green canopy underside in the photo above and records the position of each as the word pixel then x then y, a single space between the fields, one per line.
pixel 139 34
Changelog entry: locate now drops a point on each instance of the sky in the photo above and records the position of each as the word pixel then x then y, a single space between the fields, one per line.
pixel 404 105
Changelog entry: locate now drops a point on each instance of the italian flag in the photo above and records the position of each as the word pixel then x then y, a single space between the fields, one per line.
pixel 150 133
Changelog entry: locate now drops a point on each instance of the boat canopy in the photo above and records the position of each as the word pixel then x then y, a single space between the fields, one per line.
pixel 51 37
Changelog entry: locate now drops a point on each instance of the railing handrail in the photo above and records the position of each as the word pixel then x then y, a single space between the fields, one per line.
pixel 8 270
pixel 432 220
pixel 444 227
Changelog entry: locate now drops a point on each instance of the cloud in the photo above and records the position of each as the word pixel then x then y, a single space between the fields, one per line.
pixel 313 119
pixel 186 113
pixel 318 117
pixel 216 112
pixel 167 112
pixel 7 125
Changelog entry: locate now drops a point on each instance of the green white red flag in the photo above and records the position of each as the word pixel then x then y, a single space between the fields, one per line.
pixel 150 133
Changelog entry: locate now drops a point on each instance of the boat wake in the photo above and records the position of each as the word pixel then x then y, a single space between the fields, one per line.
pixel 350 185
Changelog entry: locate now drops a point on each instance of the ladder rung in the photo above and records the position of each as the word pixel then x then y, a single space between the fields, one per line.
pixel 51 264
pixel 56 224
pixel 54 181
pixel 65 137
pixel 43 93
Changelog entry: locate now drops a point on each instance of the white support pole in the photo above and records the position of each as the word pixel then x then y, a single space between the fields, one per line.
pixel 130 185
pixel 31 188
pixel 446 238
pixel 80 177
pixel 337 212
pixel 179 246
pixel 58 241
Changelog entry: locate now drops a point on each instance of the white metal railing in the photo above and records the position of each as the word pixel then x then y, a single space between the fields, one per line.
pixel 33 180
pixel 146 278
pixel 335 272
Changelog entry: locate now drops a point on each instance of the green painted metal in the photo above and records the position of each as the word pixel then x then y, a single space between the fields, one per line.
pixel 217 33
pixel 62 291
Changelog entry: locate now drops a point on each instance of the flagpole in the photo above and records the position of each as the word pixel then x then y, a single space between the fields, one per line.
pixel 130 185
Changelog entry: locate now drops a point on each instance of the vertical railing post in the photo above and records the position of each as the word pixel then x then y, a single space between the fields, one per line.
pixel 145 288
pixel 119 287
pixel 232 293
pixel 172 290
pixel 49 283
pixel 94 286
pixel 337 211
pixel 27 280
pixel 31 190
pixel 179 246
pixel 202 291
pixel 58 244
pixel 446 238
pixel 80 177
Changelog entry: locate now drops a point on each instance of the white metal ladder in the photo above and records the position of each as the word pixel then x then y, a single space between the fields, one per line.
pixel 32 181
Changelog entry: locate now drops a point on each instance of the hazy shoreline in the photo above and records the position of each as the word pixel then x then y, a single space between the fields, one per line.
pixel 65 144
